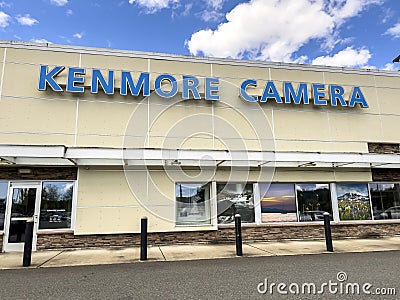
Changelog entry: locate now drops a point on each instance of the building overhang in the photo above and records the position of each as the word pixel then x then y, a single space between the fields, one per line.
pixel 20 155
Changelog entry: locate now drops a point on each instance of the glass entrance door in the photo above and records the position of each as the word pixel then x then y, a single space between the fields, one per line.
pixel 22 205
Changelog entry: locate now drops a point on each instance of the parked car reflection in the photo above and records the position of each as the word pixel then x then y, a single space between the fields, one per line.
pixel 390 213
pixel 313 215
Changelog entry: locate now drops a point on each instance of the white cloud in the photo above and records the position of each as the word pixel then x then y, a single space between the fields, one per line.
pixel 153 6
pixel 26 20
pixel 59 2
pixel 210 15
pixel 212 11
pixel 4 19
pixel 78 35
pixel 348 57
pixel 215 4
pixel 69 12
pixel 390 67
pixel 44 41
pixel 187 9
pixel 300 60
pixel 369 67
pixel 394 31
pixel 388 14
pixel 343 9
pixel 259 30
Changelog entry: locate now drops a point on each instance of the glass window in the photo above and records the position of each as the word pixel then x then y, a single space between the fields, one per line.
pixel 235 198
pixel 192 204
pixel 22 206
pixel 56 205
pixel 313 200
pixel 3 201
pixel 385 199
pixel 278 202
pixel 353 201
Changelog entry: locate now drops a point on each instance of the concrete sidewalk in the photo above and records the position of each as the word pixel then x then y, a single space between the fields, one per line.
pixel 61 258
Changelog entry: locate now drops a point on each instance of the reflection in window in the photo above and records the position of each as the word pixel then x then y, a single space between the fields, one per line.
pixel 313 200
pixel 56 205
pixel 192 204
pixel 22 206
pixel 353 201
pixel 3 201
pixel 385 199
pixel 278 202
pixel 235 198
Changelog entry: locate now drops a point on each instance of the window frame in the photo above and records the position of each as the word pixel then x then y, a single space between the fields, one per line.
pixel 73 207
pixel 295 199
pixel 369 196
pixel 253 184
pixel 5 204
pixel 210 208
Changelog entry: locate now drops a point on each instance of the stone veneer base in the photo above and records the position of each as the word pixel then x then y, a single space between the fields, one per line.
pixel 225 234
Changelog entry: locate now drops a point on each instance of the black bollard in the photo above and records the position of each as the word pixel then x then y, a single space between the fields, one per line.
pixel 28 243
pixel 143 238
pixel 328 234
pixel 238 234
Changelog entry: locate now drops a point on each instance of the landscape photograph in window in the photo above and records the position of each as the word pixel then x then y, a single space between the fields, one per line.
pixel 353 201
pixel 313 200
pixel 278 202
pixel 385 198
pixel 235 198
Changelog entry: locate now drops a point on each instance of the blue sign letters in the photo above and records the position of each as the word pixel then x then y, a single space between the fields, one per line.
pixel 167 86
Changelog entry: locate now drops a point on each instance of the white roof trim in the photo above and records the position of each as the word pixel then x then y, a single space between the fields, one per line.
pixel 60 155
pixel 32 151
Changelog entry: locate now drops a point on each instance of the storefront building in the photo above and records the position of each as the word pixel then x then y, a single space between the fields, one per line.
pixel 92 140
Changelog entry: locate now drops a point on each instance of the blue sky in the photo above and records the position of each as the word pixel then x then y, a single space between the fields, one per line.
pixel 349 33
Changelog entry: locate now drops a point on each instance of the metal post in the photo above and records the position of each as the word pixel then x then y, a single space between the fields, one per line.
pixel 238 234
pixel 143 238
pixel 28 243
pixel 328 234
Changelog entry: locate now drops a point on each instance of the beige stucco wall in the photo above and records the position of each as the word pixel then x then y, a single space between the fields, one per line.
pixel 29 116
pixel 111 201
